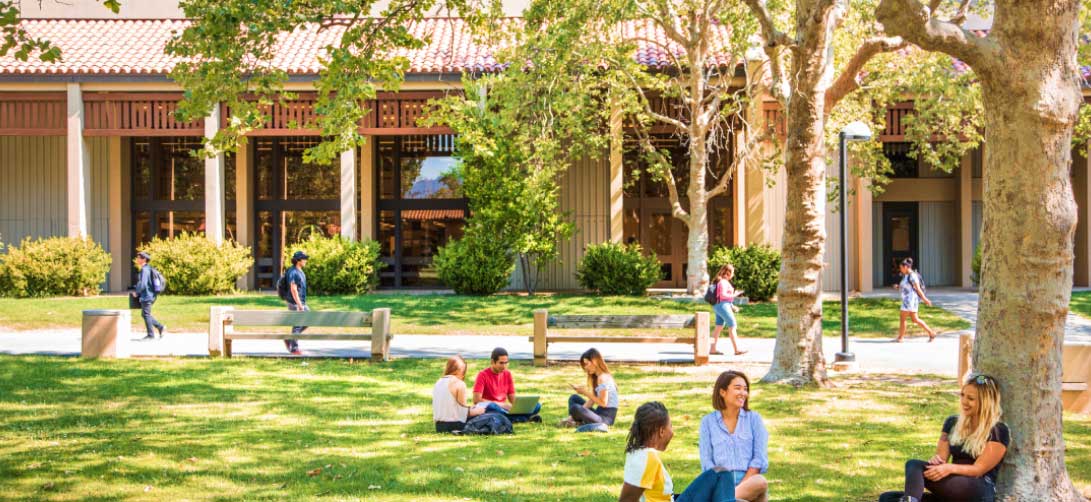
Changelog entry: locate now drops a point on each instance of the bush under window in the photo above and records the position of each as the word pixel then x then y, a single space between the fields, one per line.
pixel 193 265
pixel 338 265
pixel 55 266
pixel 618 269
pixel 475 266
pixel 756 269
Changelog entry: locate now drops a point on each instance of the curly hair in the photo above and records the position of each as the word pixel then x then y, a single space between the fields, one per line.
pixel 649 419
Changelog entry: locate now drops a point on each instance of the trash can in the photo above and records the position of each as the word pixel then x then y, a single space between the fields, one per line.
pixel 106 333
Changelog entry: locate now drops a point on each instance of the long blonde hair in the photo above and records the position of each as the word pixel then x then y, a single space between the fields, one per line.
pixel 595 358
pixel 988 415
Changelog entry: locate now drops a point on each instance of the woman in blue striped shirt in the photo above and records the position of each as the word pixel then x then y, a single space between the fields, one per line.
pixel 734 438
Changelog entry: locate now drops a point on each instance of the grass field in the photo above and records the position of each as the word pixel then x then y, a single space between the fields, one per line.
pixel 452 314
pixel 331 430
pixel 1081 303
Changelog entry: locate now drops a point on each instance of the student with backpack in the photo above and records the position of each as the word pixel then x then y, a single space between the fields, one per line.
pixel 912 290
pixel 292 288
pixel 721 294
pixel 149 285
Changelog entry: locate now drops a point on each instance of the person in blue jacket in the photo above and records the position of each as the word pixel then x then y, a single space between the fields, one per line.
pixel 145 293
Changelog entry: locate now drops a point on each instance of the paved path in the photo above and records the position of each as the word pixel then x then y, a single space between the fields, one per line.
pixel 913 356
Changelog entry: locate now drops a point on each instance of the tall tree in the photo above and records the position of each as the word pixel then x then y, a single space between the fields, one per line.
pixel 1030 83
pixel 825 55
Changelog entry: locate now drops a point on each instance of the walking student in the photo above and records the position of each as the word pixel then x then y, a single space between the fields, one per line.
pixel 297 299
pixel 725 309
pixel 145 292
pixel 912 295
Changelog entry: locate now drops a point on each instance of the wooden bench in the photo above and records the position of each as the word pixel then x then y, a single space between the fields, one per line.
pixel 543 321
pixel 223 320
pixel 1075 372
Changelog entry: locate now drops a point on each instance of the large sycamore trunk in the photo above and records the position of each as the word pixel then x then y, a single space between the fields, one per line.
pixel 697 239
pixel 798 358
pixel 1028 229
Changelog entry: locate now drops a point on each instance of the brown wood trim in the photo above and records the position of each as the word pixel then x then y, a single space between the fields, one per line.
pixel 258 133
pixel 404 131
pixel 33 132
pixel 132 96
pixel 143 132
pixel 33 96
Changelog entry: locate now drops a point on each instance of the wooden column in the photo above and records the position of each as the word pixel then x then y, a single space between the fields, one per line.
pixel 78 166
pixel 116 208
pixel 367 189
pixel 541 320
pixel 861 208
pixel 348 194
pixel 965 220
pixel 214 184
pixel 244 208
pixel 617 177
pixel 1081 188
pixel 380 335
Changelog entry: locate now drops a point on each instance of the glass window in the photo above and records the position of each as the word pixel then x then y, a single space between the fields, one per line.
pixel 263 169
pixel 720 222
pixel 431 178
pixel 423 233
pixel 306 180
pixel 142 227
pixel 142 170
pixel 386 168
pixel 171 223
pixel 902 165
pixel 180 175
pixel 267 265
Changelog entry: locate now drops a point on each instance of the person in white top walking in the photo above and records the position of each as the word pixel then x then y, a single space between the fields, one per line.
pixel 449 408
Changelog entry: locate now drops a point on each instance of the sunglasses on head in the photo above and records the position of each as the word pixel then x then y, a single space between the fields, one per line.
pixel 982 379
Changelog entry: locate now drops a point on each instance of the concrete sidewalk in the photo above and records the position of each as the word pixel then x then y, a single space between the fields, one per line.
pixel 913 356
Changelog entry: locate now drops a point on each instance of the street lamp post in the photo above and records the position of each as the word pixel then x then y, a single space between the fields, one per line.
pixel 856 131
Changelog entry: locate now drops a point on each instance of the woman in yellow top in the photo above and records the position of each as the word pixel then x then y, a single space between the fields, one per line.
pixel 646 478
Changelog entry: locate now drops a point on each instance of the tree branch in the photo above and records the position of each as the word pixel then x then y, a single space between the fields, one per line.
pixel 773 37
pixel 846 83
pixel 913 22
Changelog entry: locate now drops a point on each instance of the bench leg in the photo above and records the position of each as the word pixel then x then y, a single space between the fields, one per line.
pixel 541 316
pixel 380 335
pixel 227 348
pixel 700 339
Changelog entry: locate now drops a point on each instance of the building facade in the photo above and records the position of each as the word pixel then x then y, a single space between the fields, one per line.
pixel 90 146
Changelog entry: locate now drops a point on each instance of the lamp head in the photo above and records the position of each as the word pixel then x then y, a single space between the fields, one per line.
pixel 857 131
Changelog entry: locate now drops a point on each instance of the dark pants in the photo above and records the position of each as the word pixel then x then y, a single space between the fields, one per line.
pixel 953 488
pixel 294 344
pixel 710 486
pixel 149 321
pixel 445 427
pixel 583 415
pixel 495 408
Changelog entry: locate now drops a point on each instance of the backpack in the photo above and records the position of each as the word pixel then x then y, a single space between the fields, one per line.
pixel 712 293
pixel 159 284
pixel 282 288
pixel 920 281
pixel 489 424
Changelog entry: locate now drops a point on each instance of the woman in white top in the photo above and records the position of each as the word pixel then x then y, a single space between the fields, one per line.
pixel 449 408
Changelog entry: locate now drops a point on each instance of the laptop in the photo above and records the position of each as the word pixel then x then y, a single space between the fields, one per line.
pixel 524 405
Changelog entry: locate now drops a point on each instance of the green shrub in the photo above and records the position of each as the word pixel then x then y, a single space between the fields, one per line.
pixel 475 266
pixel 56 266
pixel 618 269
pixel 975 266
pixel 193 265
pixel 756 269
pixel 337 265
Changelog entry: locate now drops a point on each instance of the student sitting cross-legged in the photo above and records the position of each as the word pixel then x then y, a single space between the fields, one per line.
pixel 734 438
pixel 495 389
pixel 646 478
pixel 968 455
pixel 597 402
pixel 449 408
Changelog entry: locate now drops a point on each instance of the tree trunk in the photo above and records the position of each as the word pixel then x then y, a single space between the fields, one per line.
pixel 1028 73
pixel 798 358
pixel 697 239
pixel 1028 230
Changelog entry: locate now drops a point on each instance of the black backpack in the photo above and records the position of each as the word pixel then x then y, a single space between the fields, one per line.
pixel 283 291
pixel 712 292
pixel 159 284
pixel 489 424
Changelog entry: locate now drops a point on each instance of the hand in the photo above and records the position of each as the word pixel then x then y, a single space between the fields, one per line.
pixel 936 460
pixel 581 390
pixel 938 472
pixel 133 294
pixel 928 302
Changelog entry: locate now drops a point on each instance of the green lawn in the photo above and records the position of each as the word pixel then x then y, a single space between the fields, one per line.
pixel 1081 303
pixel 330 430
pixel 452 314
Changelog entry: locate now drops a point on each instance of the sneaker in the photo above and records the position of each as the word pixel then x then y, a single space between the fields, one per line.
pixel 567 422
pixel 162 330
pixel 149 338
pixel 295 351
pixel 536 419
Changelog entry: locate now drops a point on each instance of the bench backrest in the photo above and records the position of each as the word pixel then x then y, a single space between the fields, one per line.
pixel 621 321
pixel 1076 362
pixel 289 318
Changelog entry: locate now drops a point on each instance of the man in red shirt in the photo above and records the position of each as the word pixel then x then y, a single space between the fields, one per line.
pixel 495 388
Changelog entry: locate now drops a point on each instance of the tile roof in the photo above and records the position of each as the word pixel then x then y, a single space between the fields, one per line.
pixel 135 47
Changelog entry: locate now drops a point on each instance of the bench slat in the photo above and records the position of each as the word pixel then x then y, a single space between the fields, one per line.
pixel 687 340
pixel 621 321
pixel 288 318
pixel 299 336
pixel 1073 387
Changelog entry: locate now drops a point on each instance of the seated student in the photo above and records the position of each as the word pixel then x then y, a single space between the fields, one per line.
pixel 646 478
pixel 449 408
pixel 734 438
pixel 968 456
pixel 495 389
pixel 603 397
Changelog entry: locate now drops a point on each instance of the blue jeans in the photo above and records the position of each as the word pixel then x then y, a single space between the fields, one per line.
pixel 725 316
pixel 496 408
pixel 294 344
pixel 710 486
pixel 149 321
